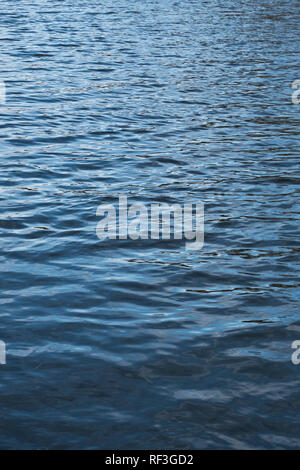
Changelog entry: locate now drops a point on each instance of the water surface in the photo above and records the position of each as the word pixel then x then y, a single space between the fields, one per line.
pixel 144 344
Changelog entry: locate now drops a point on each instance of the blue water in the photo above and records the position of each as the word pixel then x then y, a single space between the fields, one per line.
pixel 125 344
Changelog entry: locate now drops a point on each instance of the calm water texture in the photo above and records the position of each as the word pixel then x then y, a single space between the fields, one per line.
pixel 144 344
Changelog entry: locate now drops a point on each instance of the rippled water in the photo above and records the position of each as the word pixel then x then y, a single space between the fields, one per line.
pixel 144 344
